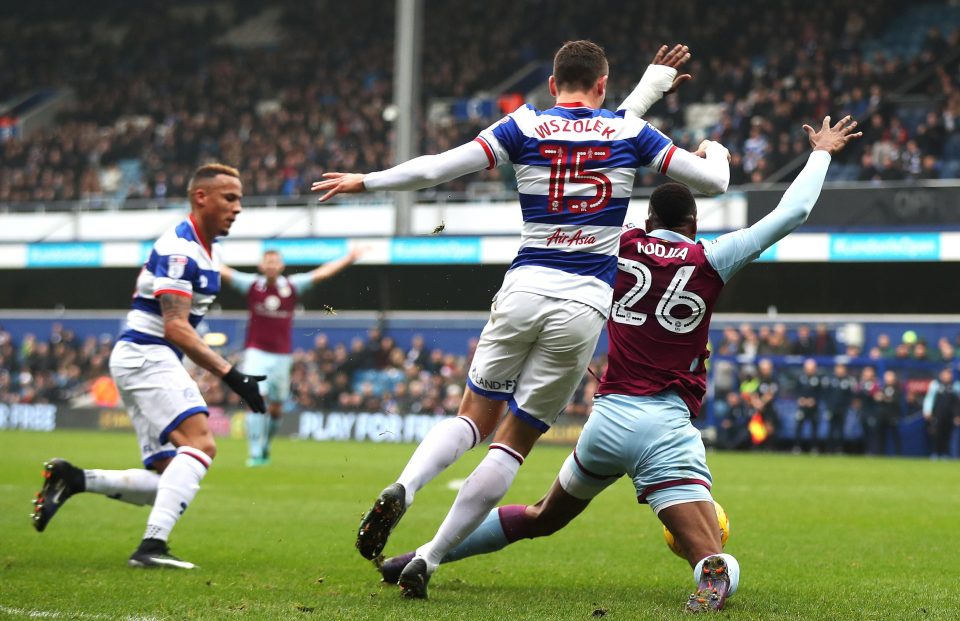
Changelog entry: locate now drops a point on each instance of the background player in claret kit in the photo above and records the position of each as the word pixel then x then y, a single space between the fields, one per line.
pixel 271 299
pixel 575 165
pixel 174 290
pixel 655 381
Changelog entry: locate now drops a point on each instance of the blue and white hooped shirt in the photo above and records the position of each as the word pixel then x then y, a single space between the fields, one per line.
pixel 180 263
pixel 575 167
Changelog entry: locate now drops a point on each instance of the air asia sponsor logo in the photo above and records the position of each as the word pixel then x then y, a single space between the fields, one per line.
pixel 659 250
pixel 580 126
pixel 559 238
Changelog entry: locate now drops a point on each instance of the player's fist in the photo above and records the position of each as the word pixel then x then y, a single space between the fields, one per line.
pixel 246 386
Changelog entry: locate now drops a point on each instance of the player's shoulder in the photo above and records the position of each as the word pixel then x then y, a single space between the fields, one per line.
pixel 631 122
pixel 180 240
pixel 630 231
pixel 523 115
pixel 173 241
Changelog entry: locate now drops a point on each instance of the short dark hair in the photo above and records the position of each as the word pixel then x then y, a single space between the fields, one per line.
pixel 578 65
pixel 209 171
pixel 673 204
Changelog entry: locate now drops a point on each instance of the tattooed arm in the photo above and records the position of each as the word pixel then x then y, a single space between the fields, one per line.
pixel 177 330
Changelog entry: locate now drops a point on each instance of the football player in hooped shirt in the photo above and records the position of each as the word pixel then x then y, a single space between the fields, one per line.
pixel 176 286
pixel 655 381
pixel 575 165
pixel 271 300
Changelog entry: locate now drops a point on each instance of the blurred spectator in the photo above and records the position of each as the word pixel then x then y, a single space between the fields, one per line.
pixel 868 391
pixel 734 432
pixel 889 410
pixel 824 342
pixel 941 409
pixel 840 391
pixel 809 392
pixel 803 345
pixel 762 393
pixel 884 346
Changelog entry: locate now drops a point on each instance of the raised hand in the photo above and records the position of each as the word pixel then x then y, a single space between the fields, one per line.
pixel 338 183
pixel 674 58
pixel 832 139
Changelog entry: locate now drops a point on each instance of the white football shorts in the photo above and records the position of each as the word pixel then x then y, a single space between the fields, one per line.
pixel 276 388
pixel 158 393
pixel 533 352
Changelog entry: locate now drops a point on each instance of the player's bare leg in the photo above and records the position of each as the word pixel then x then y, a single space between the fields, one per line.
pixel 694 525
pixel 503 526
pixel 176 488
pixel 482 490
pixel 443 445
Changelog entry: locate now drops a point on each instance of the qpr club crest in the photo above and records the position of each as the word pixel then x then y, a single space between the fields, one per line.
pixel 176 266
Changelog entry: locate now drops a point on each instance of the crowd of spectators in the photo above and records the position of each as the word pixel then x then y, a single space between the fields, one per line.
pixel 806 392
pixel 771 387
pixel 174 95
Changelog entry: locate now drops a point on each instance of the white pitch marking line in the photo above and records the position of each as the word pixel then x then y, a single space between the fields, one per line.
pixel 53 614
pixel 455 484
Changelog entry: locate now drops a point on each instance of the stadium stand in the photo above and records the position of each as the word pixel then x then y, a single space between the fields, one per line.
pixel 376 374
pixel 292 91
pixel 288 92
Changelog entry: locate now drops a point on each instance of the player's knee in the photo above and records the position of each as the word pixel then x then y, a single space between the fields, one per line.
pixel 210 448
pixel 207 445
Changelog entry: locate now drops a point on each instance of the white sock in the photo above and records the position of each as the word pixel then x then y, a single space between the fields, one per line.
pixel 443 445
pixel 177 487
pixel 138 487
pixel 733 570
pixel 480 493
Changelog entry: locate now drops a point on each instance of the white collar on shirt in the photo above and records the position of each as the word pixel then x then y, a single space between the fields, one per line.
pixel 667 235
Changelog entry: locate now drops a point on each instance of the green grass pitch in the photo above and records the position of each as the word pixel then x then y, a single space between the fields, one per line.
pixel 817 538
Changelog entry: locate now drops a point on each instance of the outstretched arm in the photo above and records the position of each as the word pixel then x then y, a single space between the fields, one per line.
pixel 226 274
pixel 730 252
pixel 331 268
pixel 707 170
pixel 421 172
pixel 240 281
pixel 659 79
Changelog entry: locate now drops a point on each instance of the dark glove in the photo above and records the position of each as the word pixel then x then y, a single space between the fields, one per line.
pixel 246 387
